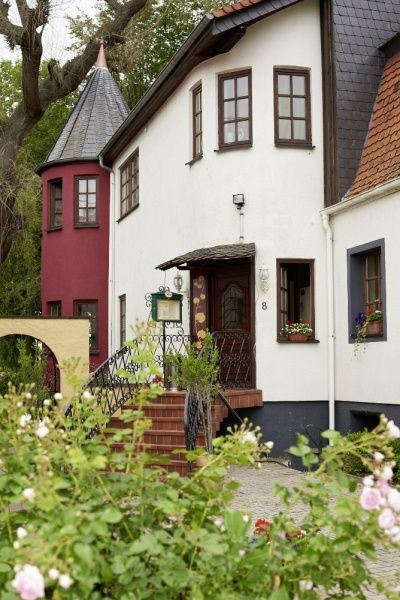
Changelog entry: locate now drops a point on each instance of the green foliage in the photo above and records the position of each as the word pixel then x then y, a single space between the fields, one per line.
pixel 354 464
pixel 22 359
pixel 197 370
pixel 116 527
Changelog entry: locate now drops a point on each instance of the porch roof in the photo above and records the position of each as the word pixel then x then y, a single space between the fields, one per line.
pixel 225 252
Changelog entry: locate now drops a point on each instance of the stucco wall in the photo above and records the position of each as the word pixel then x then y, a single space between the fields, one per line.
pixel 183 208
pixel 67 338
pixel 373 375
pixel 75 259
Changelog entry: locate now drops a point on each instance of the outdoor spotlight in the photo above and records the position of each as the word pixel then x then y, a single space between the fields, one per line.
pixel 238 200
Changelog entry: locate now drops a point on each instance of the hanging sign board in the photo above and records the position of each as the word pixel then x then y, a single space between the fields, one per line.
pixel 166 307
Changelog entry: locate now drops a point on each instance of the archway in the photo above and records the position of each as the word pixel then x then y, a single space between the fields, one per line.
pixel 67 338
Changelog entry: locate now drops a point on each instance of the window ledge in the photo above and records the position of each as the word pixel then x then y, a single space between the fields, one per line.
pixel 50 229
pixel 128 213
pixel 305 145
pixel 86 226
pixel 195 159
pixel 308 341
pixel 238 146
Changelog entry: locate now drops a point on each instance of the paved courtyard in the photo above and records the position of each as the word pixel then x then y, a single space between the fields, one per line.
pixel 256 496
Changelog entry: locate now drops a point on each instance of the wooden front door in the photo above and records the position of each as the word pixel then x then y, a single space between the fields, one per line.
pixel 229 317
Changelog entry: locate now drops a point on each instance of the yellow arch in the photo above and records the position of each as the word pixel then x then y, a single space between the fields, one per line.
pixel 67 339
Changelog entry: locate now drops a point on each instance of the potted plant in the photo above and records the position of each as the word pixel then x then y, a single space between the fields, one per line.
pixel 368 324
pixel 297 332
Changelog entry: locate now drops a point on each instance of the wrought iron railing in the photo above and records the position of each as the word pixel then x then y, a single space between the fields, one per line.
pixel 235 358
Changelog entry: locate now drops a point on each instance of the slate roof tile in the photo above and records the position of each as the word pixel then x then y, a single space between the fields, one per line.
pixel 380 161
pixel 96 116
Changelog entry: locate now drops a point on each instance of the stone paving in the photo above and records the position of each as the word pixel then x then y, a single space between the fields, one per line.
pixel 256 496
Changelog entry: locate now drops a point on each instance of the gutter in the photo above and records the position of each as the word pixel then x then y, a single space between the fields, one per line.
pixel 380 191
pixel 111 259
pixel 331 320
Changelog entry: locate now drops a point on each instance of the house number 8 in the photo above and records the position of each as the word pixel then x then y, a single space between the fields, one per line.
pixel 264 305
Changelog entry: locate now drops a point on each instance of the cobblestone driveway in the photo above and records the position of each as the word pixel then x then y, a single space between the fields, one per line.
pixel 256 496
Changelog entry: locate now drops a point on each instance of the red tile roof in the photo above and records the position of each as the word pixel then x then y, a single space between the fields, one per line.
pixel 380 161
pixel 231 8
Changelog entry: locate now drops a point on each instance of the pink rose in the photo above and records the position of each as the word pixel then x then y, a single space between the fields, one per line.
pixel 386 473
pixel 370 498
pixel 29 583
pixel 386 519
pixel 384 487
pixel 394 499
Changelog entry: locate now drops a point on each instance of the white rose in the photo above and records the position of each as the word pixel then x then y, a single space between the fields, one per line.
pixel 65 581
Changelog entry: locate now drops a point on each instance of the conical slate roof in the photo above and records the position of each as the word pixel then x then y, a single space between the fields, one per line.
pixel 96 116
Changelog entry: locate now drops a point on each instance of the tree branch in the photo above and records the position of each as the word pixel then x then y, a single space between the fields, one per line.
pixel 12 32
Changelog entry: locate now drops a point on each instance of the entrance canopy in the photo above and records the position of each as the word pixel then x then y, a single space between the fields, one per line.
pixel 214 253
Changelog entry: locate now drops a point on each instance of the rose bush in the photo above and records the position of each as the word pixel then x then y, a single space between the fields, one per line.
pixel 79 521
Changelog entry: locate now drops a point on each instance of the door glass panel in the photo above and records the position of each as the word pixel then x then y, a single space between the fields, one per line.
pixel 233 307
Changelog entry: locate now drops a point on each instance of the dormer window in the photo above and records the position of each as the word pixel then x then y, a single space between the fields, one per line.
pixel 55 206
pixel 86 201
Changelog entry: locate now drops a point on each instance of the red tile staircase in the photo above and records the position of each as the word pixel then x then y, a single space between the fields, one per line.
pixel 167 432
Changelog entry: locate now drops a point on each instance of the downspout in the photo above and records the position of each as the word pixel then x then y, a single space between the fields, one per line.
pixel 331 320
pixel 111 259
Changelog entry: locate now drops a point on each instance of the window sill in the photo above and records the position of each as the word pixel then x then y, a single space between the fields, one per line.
pixel 195 159
pixel 236 146
pixel 50 229
pixel 308 341
pixel 290 144
pixel 381 337
pixel 128 213
pixel 86 226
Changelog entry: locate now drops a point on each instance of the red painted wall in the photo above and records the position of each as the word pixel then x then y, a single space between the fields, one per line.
pixel 75 259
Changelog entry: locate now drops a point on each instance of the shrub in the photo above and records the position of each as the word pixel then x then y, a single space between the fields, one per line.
pixel 91 523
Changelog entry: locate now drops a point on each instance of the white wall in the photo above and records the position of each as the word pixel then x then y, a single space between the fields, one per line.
pixel 373 375
pixel 184 208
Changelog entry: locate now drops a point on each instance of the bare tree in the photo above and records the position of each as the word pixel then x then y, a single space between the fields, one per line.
pixel 39 93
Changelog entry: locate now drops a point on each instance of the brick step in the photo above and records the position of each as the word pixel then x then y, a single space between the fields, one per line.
pixel 158 424
pixel 166 398
pixel 173 410
pixel 162 449
pixel 160 438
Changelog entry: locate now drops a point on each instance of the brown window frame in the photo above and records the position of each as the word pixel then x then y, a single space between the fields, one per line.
pixel 375 304
pixel 197 134
pixel 292 72
pixel 94 322
pixel 279 288
pixel 54 304
pixel 52 204
pixel 87 223
pixel 236 143
pixel 122 320
pixel 132 166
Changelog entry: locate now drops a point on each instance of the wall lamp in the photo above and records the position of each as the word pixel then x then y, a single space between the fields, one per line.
pixel 178 281
pixel 238 200
pixel 263 275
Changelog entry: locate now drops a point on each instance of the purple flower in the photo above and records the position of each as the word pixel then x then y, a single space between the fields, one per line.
pixel 370 498
pixel 360 319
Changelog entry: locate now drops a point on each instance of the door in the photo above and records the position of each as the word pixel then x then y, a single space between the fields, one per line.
pixel 230 311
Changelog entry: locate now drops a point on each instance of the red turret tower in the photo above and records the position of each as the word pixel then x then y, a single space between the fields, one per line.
pixel 75 213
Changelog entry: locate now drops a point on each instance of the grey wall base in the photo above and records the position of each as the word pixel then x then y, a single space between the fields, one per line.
pixel 280 421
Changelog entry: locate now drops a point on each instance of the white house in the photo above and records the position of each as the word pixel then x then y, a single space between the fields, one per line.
pixel 222 171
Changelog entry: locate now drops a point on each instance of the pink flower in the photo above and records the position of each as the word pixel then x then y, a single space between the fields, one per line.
pixel 386 473
pixel 394 499
pixel 29 583
pixel 368 480
pixel 393 430
pixel 384 487
pixel 386 519
pixel 370 498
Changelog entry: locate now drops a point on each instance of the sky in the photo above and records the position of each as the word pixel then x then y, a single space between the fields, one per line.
pixel 55 37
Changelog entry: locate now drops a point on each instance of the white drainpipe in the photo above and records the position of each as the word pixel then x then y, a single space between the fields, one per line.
pixel 111 260
pixel 331 320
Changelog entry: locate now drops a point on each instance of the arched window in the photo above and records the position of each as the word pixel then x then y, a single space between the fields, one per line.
pixel 232 307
